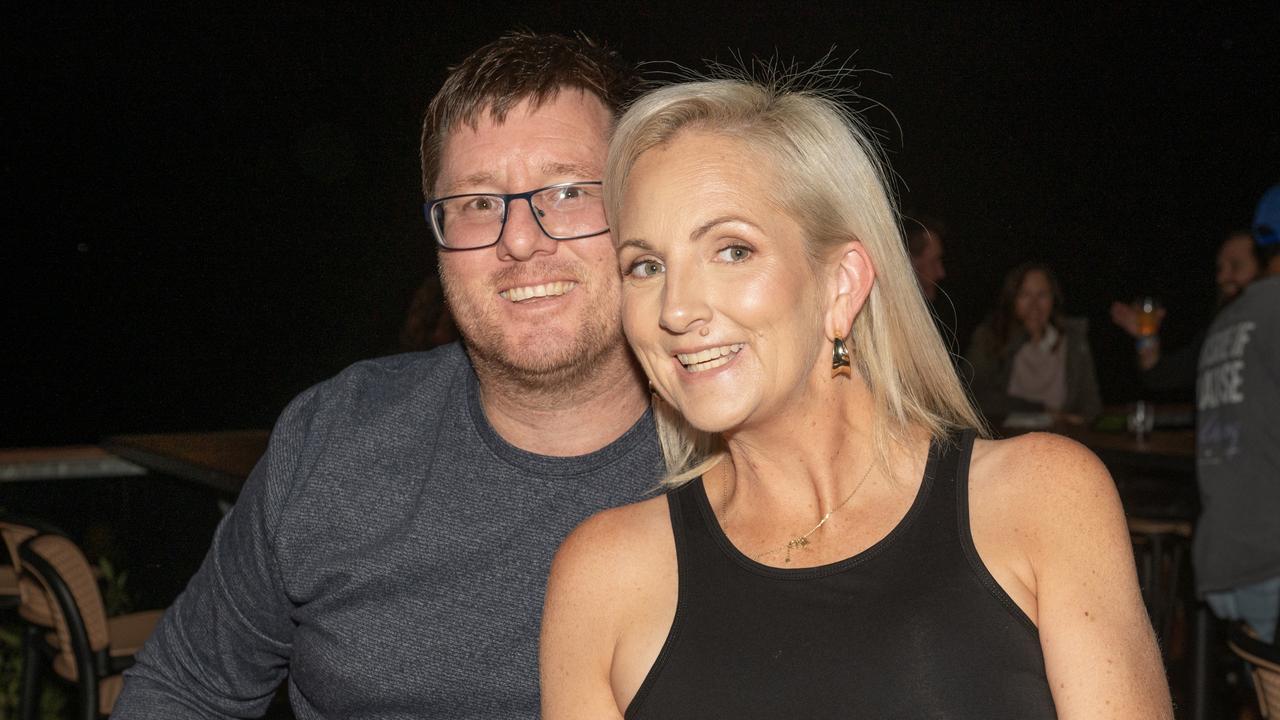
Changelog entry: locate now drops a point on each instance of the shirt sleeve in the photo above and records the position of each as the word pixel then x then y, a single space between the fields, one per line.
pixel 223 647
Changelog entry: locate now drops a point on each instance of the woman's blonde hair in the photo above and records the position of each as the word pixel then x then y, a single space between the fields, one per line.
pixel 831 180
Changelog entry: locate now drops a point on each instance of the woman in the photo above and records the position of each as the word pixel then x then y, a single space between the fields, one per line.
pixel 836 543
pixel 1029 357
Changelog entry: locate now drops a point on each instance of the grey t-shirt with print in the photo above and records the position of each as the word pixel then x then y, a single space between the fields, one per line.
pixel 1237 540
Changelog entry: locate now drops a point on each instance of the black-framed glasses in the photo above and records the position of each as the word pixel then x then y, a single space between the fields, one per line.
pixel 564 211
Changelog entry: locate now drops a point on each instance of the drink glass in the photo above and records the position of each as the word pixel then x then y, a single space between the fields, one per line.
pixel 1142 420
pixel 1148 319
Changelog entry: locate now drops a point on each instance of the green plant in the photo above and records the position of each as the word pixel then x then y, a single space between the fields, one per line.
pixel 115 594
pixel 54 698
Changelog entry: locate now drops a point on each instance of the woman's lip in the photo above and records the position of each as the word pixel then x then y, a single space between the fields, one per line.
pixel 707 353
pixel 711 361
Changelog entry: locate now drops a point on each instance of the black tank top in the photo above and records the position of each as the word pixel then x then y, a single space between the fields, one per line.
pixel 913 627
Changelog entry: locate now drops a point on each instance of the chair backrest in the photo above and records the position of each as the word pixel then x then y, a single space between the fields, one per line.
pixel 1264 661
pixel 79 617
pixel 15 533
pixel 32 604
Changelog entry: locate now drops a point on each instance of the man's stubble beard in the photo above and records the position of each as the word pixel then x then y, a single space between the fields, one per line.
pixel 538 361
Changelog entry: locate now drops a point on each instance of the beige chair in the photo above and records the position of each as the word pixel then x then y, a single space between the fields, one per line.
pixel 32 607
pixel 87 648
pixel 33 610
pixel 9 593
pixel 1264 662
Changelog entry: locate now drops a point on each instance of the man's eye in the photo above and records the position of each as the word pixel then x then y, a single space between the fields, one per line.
pixel 645 268
pixel 734 253
pixel 483 203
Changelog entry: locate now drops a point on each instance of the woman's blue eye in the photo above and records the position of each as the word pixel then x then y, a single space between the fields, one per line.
pixel 734 253
pixel 645 268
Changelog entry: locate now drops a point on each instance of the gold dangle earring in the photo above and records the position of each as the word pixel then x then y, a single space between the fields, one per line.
pixel 839 358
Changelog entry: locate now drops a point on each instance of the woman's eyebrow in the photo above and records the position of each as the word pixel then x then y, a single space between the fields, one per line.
pixel 635 243
pixel 707 226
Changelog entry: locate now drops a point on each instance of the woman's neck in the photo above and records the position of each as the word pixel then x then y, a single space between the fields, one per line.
pixel 812 451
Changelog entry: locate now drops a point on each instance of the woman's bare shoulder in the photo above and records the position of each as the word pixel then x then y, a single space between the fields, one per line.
pixel 1037 462
pixel 1050 479
pixel 617 544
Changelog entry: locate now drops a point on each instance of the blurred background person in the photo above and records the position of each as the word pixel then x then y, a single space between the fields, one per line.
pixel 1029 357
pixel 925 246
pixel 924 243
pixel 1237 266
pixel 428 322
pixel 1237 540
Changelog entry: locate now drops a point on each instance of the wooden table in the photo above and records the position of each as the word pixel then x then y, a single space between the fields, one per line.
pixel 1163 449
pixel 62 463
pixel 1173 450
pixel 219 460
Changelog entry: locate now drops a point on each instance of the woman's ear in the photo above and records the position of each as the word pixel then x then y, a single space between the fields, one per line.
pixel 853 275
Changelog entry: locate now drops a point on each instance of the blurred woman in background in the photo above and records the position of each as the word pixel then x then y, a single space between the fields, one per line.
pixel 1029 357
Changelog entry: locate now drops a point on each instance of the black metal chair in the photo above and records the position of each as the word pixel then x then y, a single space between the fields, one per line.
pixel 33 609
pixel 85 647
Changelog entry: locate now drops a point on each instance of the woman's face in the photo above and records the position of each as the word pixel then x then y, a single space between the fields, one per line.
pixel 1033 305
pixel 719 302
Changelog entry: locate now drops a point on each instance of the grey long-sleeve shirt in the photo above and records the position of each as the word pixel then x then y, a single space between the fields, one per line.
pixel 388 555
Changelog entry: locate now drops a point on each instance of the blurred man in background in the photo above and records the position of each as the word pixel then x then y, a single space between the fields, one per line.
pixel 924 243
pixel 1237 540
pixel 1237 265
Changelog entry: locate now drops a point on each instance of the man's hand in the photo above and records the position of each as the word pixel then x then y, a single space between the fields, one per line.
pixel 1125 316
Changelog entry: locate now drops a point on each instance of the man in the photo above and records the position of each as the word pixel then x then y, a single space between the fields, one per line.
pixel 924 244
pixel 388 554
pixel 1236 266
pixel 1237 541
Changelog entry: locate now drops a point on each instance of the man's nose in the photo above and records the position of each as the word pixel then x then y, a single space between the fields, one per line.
pixel 522 236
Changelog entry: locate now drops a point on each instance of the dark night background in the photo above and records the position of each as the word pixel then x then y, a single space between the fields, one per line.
pixel 211 207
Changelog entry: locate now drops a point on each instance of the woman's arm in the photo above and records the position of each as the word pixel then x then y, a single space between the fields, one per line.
pixel 1099 649
pixel 579 629
pixel 610 599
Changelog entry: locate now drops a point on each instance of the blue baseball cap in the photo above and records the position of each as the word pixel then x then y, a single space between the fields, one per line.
pixel 1266 221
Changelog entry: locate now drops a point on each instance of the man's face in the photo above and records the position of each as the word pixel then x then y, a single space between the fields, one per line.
pixel 928 265
pixel 1237 266
pixel 536 309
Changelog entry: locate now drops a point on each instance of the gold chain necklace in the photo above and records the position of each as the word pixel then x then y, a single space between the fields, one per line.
pixel 801 541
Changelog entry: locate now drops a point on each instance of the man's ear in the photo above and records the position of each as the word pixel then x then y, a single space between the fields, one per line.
pixel 853 275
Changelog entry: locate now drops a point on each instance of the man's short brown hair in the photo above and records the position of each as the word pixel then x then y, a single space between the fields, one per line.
pixel 519 66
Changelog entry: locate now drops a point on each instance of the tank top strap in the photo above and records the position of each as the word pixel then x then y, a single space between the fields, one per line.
pixel 939 517
pixel 695 544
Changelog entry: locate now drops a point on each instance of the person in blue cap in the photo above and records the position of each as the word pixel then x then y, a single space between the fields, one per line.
pixel 1237 542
